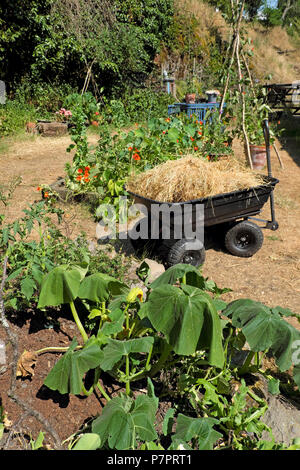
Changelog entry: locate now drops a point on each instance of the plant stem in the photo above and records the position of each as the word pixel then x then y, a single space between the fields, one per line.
pixel 143 372
pixel 244 369
pixel 127 316
pixel 127 375
pixel 78 322
pixel 149 357
pixel 103 391
pixel 55 349
pixel 86 392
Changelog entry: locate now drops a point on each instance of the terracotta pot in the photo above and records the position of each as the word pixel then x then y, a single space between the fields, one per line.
pixel 190 98
pixel 31 127
pixel 258 156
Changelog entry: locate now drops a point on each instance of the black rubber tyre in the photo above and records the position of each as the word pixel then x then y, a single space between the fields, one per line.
pixel 180 252
pixel 244 239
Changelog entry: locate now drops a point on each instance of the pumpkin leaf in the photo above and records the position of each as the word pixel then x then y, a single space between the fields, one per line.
pixel 98 287
pixel 264 329
pixel 88 441
pixel 67 374
pixel 115 350
pixel 200 428
pixel 188 319
pixel 177 272
pixel 60 285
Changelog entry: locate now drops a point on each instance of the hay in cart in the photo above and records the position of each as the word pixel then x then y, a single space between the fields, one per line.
pixel 190 178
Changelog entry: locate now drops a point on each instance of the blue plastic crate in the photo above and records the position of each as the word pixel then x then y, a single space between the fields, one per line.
pixel 197 109
pixel 173 109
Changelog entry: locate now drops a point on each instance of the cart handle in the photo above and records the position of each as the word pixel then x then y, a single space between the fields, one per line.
pixel 266 131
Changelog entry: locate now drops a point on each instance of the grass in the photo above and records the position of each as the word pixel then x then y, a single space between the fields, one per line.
pixel 15 114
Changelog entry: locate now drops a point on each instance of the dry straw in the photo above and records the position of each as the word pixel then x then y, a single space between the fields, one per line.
pixel 192 178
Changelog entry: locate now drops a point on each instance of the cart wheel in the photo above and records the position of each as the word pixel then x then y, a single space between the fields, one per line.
pixel 181 252
pixel 244 239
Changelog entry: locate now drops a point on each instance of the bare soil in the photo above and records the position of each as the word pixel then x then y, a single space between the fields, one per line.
pixel 271 276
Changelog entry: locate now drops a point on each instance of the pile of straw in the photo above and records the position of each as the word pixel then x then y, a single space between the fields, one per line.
pixel 192 178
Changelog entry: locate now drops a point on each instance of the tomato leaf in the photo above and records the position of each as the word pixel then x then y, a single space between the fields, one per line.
pixel 27 287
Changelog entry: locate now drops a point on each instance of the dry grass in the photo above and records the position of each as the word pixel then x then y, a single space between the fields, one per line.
pixel 208 19
pixel 275 54
pixel 192 178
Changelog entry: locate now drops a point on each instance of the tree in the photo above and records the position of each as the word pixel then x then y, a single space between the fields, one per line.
pixel 285 7
pixel 112 42
pixel 252 7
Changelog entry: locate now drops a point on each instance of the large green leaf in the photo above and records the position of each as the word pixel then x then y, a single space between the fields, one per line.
pixel 115 350
pixel 123 421
pixel 88 441
pixel 177 272
pixel 264 329
pixel 188 319
pixel 61 285
pixel 115 325
pixel 67 374
pixel 173 134
pixel 197 428
pixel 98 287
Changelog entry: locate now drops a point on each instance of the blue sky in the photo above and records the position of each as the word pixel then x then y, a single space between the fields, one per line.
pixel 272 3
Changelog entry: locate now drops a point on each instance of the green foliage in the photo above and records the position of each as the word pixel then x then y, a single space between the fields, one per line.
pixel 67 374
pixel 53 40
pixel 88 441
pixel 125 420
pixel 199 429
pixel 84 103
pixel 45 97
pixel 136 105
pixel 29 260
pixel 272 16
pixel 177 331
pixel 188 320
pixel 14 116
pixel 265 329
pixel 104 169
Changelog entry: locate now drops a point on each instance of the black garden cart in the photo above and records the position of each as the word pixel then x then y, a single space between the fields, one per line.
pixel 232 213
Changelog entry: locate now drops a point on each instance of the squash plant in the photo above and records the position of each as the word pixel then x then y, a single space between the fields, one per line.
pixel 128 329
pixel 180 326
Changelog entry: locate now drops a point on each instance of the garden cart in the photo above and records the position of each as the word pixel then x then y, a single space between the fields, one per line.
pixel 231 213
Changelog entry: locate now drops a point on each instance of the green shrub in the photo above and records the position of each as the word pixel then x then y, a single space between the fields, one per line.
pixel 46 97
pixel 145 103
pixel 14 115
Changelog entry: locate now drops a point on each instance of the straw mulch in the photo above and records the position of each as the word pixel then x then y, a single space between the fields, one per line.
pixel 192 178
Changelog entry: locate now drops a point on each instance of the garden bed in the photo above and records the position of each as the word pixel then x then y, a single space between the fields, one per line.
pixel 67 413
